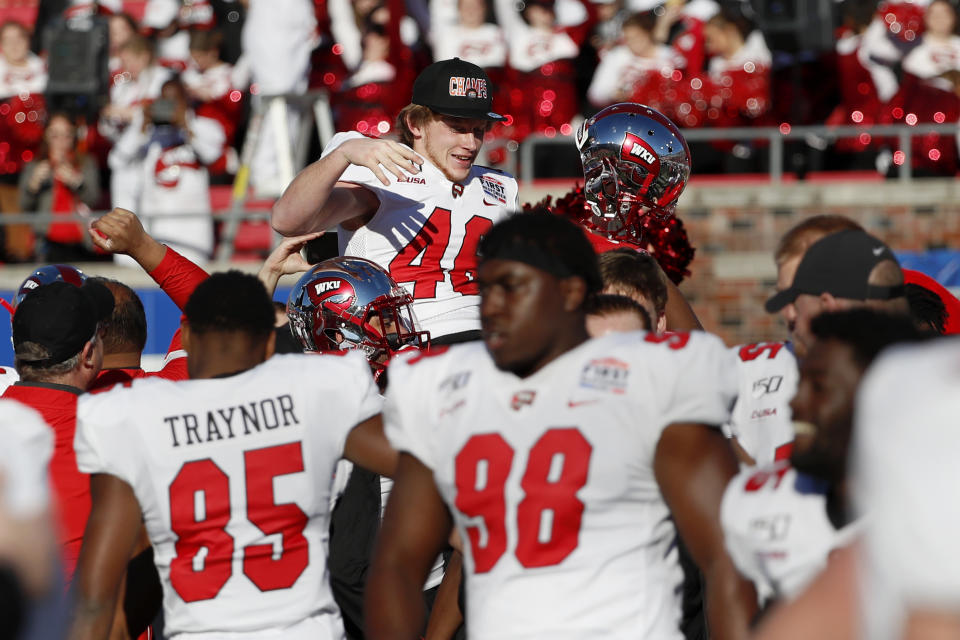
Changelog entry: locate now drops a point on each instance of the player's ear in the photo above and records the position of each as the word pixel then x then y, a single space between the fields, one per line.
pixel 661 323
pixel 185 335
pixel 271 345
pixel 416 128
pixel 574 292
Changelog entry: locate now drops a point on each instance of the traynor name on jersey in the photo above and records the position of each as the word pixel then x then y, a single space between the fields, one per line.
pixel 218 424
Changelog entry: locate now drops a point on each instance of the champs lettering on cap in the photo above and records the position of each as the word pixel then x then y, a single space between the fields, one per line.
pixel 456 88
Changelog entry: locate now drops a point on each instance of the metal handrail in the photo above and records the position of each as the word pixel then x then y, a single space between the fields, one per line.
pixel 227 217
pixel 775 136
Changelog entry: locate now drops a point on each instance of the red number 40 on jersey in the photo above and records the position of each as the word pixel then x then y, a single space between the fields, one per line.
pixel 549 515
pixel 419 261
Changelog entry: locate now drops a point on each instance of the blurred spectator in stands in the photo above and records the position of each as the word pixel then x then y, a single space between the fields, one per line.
pixel 170 23
pixel 542 91
pixel 278 37
pixel 927 91
pixel 472 36
pixel 62 181
pixel 608 30
pixel 350 18
pixel 860 103
pixel 363 103
pixel 894 30
pixel 680 24
pixel 23 78
pixel 213 92
pixel 631 63
pixel 122 28
pixel 138 82
pixel 370 98
pixel 170 147
pixel 161 22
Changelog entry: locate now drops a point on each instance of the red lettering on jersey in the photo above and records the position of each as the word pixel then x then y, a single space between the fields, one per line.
pixel 753 351
pixel 541 493
pixel 674 339
pixel 419 261
pixel 783 452
pixel 261 466
pixel 760 478
pixel 429 353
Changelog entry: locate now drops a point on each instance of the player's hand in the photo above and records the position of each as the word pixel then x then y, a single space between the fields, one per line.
pixel 285 260
pixel 378 155
pixel 120 231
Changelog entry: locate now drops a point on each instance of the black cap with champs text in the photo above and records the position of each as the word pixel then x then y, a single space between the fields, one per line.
pixel 61 318
pixel 456 88
pixel 839 264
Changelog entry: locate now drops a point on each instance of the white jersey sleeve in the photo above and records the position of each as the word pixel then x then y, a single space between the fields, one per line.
pixel 904 473
pixel 234 478
pixel 697 386
pixel 767 377
pixel 24 457
pixel 407 413
pixel 776 528
pixel 425 233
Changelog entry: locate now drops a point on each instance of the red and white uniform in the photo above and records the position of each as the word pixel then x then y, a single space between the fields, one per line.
pixel 233 476
pixel 550 480
pixel 776 528
pixel 904 476
pixel 8 375
pixel 24 456
pixel 126 92
pixel 440 278
pixel 171 179
pixel 17 80
pixel 932 58
pixel 767 377
pixel 620 70
pixel 484 46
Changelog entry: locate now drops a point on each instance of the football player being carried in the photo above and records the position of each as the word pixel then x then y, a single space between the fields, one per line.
pixel 781 522
pixel 559 460
pixel 230 471
pixel 417 206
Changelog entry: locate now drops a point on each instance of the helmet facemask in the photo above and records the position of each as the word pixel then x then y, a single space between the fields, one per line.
pixel 351 303
pixel 635 164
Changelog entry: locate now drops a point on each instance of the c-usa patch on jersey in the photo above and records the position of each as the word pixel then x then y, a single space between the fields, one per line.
pixel 606 374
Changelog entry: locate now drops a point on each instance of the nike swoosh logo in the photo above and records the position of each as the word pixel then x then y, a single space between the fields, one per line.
pixel 491 204
pixel 877 250
pixel 573 404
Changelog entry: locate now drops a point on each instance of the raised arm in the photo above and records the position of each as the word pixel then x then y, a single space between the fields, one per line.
pixel 120 231
pixel 316 201
pixel 693 464
pixel 108 543
pixel 285 260
pixel 414 530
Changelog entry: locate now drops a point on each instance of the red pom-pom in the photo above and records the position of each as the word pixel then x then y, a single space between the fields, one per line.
pixel 666 238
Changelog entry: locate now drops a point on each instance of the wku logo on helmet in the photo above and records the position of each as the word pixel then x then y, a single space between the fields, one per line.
pixel 336 291
pixel 636 149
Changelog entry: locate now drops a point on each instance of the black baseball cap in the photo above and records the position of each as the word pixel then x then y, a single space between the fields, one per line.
pixel 60 317
pixel 456 88
pixel 839 264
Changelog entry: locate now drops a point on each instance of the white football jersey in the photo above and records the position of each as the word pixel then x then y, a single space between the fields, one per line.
pixel 550 478
pixel 904 480
pixel 425 233
pixel 8 375
pixel 776 528
pixel 24 456
pixel 233 476
pixel 484 46
pixel 767 377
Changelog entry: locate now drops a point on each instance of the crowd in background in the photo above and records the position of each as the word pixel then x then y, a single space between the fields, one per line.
pixel 184 76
